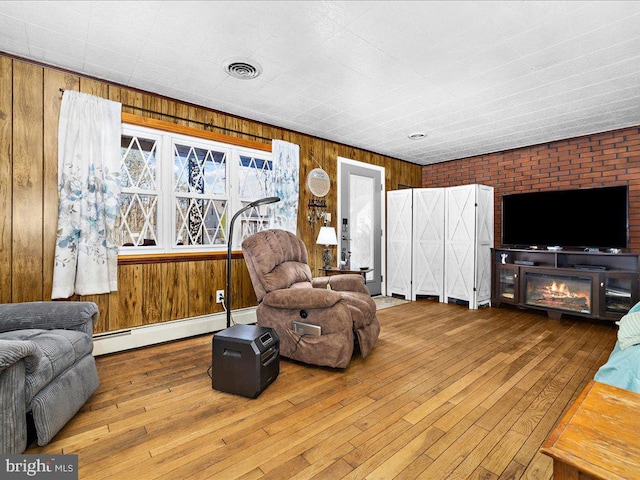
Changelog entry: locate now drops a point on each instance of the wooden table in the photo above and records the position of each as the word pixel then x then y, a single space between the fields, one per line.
pixel 599 437
pixel 338 271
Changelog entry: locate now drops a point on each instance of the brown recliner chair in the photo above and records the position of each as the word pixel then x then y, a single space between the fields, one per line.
pixel 286 291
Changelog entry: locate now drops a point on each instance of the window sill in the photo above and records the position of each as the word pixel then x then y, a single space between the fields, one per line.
pixel 175 257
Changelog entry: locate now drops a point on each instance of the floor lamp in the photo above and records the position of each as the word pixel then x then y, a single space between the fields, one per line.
pixel 257 203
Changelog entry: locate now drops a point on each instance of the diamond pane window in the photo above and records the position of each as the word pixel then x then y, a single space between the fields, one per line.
pixel 254 176
pixel 200 222
pixel 139 164
pixel 178 192
pixel 199 185
pixel 198 170
pixel 140 189
pixel 139 214
pixel 254 220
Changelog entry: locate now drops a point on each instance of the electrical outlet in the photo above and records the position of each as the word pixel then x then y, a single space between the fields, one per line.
pixel 219 296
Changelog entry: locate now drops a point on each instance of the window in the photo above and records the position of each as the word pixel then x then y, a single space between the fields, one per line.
pixel 200 193
pixel 178 192
pixel 140 190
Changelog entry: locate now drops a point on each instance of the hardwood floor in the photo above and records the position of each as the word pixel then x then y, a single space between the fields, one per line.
pixel 447 393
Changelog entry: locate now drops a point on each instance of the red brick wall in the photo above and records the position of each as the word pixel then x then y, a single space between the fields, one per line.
pixel 603 159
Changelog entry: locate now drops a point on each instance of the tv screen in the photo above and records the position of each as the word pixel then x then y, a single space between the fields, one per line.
pixel 580 218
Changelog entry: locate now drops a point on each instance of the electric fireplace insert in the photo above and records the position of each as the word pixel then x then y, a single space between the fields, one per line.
pixel 571 293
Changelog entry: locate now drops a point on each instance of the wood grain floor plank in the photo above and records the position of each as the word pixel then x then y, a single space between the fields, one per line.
pixel 415 468
pixel 447 393
pixel 482 474
pixel 513 471
pixel 277 446
pixel 453 456
pixel 480 369
pixel 319 471
pixel 502 454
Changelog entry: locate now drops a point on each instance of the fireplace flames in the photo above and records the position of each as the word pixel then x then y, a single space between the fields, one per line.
pixel 559 290
pixel 557 294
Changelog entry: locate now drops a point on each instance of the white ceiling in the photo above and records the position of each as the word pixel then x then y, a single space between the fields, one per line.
pixel 475 77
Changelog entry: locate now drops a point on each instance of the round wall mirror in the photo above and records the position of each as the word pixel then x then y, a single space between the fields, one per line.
pixel 318 182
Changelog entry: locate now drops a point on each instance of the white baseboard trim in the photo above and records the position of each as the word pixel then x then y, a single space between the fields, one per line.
pixel 118 341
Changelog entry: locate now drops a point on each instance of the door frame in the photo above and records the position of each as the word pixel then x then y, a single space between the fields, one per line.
pixel 383 225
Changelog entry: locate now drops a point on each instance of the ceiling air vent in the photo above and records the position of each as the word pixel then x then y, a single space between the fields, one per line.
pixel 242 68
pixel 417 136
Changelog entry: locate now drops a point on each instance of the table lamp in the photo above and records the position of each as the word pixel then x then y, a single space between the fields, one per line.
pixel 257 203
pixel 326 237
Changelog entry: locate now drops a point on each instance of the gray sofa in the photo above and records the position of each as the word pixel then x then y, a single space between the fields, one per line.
pixel 47 370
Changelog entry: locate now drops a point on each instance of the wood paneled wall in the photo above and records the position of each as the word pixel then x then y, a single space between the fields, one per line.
pixel 148 292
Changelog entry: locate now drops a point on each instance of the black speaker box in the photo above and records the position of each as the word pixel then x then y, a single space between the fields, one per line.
pixel 246 359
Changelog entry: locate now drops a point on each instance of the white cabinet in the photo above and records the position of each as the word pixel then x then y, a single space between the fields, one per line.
pixel 439 243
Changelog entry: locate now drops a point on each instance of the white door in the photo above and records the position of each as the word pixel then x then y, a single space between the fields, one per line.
pixel 360 219
pixel 484 243
pixel 428 242
pixel 399 233
pixel 460 243
pixel 469 238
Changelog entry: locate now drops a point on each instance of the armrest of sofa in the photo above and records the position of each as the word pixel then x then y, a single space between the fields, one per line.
pixel 18 358
pixel 349 282
pixel 301 298
pixel 49 316
pixel 12 351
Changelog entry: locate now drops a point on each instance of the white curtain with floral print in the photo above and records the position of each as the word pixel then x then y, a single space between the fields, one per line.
pixel 86 256
pixel 286 165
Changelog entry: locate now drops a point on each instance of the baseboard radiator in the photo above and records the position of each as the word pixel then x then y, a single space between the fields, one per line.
pixel 120 340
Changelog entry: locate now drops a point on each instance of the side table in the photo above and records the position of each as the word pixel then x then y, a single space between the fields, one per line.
pixel 338 271
pixel 599 436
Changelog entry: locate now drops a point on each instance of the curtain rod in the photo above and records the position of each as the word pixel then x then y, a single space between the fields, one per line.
pixel 206 125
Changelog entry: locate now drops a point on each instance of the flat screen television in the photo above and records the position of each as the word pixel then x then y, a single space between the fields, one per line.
pixel 578 218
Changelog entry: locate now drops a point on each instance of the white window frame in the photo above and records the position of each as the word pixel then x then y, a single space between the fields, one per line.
pixel 137 131
pixel 166 205
pixel 169 203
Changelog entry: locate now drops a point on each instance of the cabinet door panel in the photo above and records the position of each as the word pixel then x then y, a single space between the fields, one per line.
pixel 618 293
pixel 507 284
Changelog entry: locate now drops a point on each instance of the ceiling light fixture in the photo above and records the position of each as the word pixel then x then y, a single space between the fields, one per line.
pixel 242 68
pixel 417 136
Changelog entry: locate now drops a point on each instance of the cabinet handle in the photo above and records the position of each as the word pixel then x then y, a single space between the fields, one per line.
pixel 515 275
pixel 601 284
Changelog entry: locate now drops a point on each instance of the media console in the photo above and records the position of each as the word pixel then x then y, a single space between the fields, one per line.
pixel 590 284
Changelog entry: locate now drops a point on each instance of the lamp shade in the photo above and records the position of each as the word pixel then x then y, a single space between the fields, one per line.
pixel 327 236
